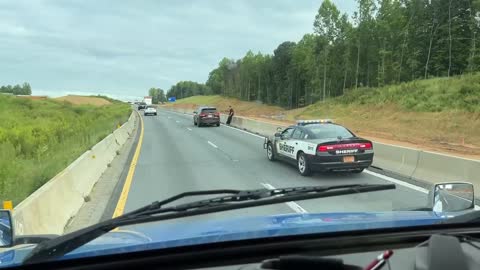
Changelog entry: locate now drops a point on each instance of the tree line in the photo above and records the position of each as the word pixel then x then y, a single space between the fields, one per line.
pixel 157 94
pixel 185 89
pixel 383 42
pixel 17 89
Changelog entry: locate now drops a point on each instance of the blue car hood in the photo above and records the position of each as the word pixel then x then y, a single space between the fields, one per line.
pixel 174 233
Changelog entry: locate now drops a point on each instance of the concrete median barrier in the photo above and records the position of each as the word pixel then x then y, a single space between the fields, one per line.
pixel 255 126
pixel 434 167
pixel 395 159
pixel 49 209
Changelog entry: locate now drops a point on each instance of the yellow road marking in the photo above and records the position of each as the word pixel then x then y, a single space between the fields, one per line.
pixel 128 181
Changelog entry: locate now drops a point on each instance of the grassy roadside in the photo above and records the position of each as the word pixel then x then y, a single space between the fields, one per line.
pixel 39 138
pixel 441 114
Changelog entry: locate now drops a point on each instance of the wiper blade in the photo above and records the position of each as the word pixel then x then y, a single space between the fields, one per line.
pixel 156 211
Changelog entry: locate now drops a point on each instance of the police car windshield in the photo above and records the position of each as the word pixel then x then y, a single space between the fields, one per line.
pixel 327 131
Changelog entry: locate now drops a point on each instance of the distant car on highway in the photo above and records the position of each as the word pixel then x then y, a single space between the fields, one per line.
pixel 320 145
pixel 141 106
pixel 206 116
pixel 150 110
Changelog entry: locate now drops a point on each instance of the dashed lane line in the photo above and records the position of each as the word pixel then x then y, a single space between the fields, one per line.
pixel 293 205
pixel 212 144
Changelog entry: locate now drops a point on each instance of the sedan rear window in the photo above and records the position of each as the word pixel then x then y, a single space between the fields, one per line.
pixel 325 131
pixel 209 110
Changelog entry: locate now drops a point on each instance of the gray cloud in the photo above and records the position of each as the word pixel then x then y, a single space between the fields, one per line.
pixel 125 47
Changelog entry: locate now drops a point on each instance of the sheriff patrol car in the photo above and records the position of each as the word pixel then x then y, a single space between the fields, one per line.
pixel 320 145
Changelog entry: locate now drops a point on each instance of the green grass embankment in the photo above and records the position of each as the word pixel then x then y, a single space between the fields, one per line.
pixel 39 138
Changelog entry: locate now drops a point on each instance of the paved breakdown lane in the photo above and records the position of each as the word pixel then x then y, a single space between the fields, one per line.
pixel 177 156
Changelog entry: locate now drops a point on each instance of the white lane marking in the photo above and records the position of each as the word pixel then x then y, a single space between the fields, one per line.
pixel 398 182
pixel 293 205
pixel 177 121
pixel 189 129
pixel 212 144
pixel 169 117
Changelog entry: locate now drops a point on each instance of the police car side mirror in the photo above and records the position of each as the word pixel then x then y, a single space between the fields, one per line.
pixel 195 112
pixel 278 135
pixel 451 197
pixel 6 229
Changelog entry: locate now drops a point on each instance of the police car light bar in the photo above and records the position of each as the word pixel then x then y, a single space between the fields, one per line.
pixel 319 121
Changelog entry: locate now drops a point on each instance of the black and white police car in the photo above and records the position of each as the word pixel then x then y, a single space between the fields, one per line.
pixel 320 145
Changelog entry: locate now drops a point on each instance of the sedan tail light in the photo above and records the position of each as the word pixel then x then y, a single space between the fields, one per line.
pixel 365 146
pixel 202 115
pixel 332 147
pixel 325 148
pixel 217 114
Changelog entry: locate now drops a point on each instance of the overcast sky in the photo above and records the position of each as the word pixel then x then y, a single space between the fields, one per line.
pixel 122 48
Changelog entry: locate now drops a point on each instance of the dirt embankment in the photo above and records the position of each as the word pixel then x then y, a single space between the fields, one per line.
pixel 83 100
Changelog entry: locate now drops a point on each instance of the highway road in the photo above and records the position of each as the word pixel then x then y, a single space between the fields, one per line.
pixel 177 156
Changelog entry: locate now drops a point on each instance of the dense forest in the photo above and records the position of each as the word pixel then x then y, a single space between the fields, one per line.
pixel 383 42
pixel 17 89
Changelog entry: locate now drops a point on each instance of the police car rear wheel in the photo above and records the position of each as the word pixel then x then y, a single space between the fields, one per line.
pixel 270 154
pixel 302 165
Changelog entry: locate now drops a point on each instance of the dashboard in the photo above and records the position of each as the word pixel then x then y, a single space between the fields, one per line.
pixel 456 249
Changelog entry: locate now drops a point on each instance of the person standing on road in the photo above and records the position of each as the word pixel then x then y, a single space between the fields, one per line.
pixel 230 115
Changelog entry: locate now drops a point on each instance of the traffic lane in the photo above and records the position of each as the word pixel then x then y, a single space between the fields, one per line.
pixel 173 160
pixel 248 150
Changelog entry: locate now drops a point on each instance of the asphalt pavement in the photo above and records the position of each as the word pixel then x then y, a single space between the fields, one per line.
pixel 177 156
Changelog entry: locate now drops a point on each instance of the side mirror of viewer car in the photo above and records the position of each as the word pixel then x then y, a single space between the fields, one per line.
pixel 6 229
pixel 451 197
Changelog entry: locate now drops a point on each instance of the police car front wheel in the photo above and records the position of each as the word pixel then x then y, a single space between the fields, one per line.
pixel 302 165
pixel 270 154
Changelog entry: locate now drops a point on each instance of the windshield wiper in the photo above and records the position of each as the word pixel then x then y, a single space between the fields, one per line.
pixel 157 211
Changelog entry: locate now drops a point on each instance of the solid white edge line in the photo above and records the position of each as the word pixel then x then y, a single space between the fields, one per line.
pixel 398 182
pixel 212 144
pixel 189 129
pixel 293 205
